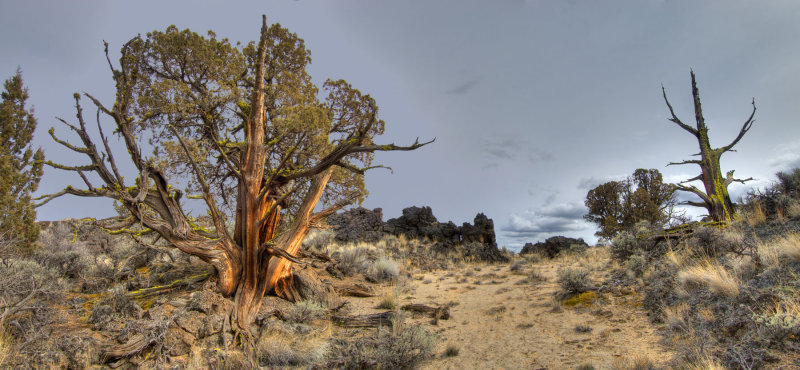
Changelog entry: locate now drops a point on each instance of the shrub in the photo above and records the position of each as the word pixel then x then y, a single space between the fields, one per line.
pixel 388 301
pixel 451 351
pixel 636 264
pixel 281 347
pixel 352 260
pixel 574 281
pixel 780 322
pixel 383 269
pixel 400 348
pixel 625 245
pixel 305 312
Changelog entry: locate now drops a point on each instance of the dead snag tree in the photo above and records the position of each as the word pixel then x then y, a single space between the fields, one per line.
pixel 243 128
pixel 715 199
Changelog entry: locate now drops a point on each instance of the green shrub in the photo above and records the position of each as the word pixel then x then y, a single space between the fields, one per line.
pixel 574 281
pixel 636 264
pixel 625 245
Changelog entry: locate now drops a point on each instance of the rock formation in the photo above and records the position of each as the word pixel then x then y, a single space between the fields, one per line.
pixel 476 240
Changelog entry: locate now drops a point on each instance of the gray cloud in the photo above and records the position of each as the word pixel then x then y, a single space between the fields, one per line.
pixel 587 183
pixel 788 158
pixel 463 88
pixel 512 148
pixel 545 222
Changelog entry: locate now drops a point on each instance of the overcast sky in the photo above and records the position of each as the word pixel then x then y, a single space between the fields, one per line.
pixel 531 103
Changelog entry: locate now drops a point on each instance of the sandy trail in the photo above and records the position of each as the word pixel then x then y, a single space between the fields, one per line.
pixel 499 322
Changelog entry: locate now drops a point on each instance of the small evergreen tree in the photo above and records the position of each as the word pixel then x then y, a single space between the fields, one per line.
pixel 20 166
pixel 618 205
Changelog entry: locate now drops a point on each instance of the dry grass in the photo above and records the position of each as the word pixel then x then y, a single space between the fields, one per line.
pixel 283 347
pixel 793 210
pixel 755 216
pixel 787 246
pixel 675 316
pixel 711 275
pixel 388 300
pixel 636 363
pixel 704 362
pixel 5 346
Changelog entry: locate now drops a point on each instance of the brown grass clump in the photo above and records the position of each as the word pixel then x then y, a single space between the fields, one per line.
pixel 285 347
pixel 755 216
pixel 388 300
pixel 711 275
pixel 635 363
pixel 787 246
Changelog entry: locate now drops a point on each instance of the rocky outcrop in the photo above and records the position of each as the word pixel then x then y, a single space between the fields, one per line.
pixel 553 246
pixel 476 240
pixel 358 224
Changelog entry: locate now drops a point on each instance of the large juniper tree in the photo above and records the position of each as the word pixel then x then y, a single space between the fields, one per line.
pixel 715 198
pixel 249 130
pixel 20 166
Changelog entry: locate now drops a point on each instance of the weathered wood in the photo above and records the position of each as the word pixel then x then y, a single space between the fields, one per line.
pixel 354 290
pixel 136 344
pixel 436 312
pixel 145 292
pixel 365 321
pixel 715 198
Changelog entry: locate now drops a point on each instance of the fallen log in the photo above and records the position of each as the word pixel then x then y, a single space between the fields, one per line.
pixel 436 312
pixel 354 290
pixel 365 321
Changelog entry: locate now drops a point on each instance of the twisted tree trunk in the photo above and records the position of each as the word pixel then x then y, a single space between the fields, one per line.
pixel 715 198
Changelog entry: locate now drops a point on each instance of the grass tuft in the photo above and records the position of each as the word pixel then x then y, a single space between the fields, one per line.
pixel 711 275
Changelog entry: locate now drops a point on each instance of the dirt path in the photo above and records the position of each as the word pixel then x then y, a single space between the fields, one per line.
pixel 501 320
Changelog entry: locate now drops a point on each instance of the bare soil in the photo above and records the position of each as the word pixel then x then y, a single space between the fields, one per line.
pixel 502 319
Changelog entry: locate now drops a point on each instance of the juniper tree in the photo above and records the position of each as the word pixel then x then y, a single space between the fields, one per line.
pixel 20 166
pixel 715 199
pixel 617 205
pixel 251 135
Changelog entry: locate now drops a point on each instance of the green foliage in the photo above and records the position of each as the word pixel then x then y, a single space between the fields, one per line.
pixel 619 205
pixel 200 86
pixel 636 264
pixel 574 281
pixel 20 167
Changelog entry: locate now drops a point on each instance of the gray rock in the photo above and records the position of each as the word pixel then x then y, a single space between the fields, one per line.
pixel 358 224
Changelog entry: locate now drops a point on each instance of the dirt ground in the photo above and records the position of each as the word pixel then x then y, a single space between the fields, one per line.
pixel 502 319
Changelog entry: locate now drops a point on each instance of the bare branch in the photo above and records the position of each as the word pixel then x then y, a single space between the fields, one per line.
pixel 108 151
pixel 695 190
pixel 688 161
pixel 729 179
pixel 675 118
pixel 698 177
pixel 70 190
pixel 269 247
pixel 695 204
pixel 349 147
pixel 360 170
pixel 745 127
